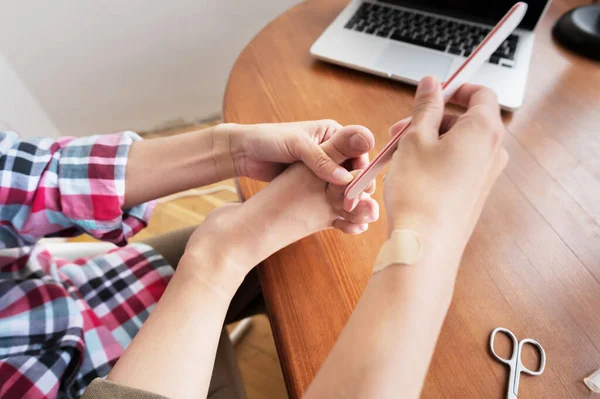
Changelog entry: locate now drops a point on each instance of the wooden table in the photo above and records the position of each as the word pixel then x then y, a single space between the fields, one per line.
pixel 533 263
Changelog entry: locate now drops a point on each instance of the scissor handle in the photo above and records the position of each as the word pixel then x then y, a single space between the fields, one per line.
pixel 515 343
pixel 542 357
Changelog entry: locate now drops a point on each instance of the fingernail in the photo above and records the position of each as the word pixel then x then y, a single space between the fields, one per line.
pixel 427 85
pixel 342 175
pixel 359 142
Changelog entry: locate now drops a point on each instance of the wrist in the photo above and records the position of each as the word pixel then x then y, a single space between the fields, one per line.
pixel 433 270
pixel 237 145
pixel 214 273
pixel 226 147
pixel 216 260
pixel 442 239
pixel 427 226
pixel 228 244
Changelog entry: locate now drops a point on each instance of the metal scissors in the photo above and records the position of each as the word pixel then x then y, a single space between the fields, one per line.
pixel 516 365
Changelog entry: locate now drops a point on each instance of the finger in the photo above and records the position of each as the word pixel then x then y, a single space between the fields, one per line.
pixel 367 211
pixel 471 94
pixel 479 99
pixel 371 188
pixel 336 193
pixel 429 107
pixel 349 205
pixel 348 142
pixel 399 126
pixel 448 120
pixel 316 130
pixel 331 127
pixel 481 126
pixel 317 160
pixel 360 162
pixel 349 228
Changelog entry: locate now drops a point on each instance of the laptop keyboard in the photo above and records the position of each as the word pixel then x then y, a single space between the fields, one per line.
pixel 428 31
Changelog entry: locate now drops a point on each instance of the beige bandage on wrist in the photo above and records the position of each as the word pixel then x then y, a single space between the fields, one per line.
pixel 222 151
pixel 403 248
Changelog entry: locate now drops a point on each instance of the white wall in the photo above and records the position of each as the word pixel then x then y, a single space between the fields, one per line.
pixel 102 66
pixel 19 110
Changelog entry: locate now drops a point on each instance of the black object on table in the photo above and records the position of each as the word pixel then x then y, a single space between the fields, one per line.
pixel 579 31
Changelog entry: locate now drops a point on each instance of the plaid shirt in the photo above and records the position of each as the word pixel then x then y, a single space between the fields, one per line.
pixel 64 323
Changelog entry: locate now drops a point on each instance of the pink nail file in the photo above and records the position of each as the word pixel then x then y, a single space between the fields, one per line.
pixel 486 48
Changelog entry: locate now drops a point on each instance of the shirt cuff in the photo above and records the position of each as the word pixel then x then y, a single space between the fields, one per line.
pixel 92 187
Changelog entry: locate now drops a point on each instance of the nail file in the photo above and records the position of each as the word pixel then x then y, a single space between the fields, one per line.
pixel 486 48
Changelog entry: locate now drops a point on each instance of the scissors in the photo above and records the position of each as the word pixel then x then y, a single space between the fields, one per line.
pixel 516 365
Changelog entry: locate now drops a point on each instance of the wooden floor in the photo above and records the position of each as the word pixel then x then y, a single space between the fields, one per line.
pixel 255 351
pixel 258 361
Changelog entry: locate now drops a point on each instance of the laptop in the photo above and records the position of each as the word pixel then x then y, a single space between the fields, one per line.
pixel 406 40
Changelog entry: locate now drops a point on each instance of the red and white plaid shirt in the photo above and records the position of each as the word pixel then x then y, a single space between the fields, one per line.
pixel 64 323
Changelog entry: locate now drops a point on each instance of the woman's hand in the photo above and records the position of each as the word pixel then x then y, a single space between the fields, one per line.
pixel 221 251
pixel 263 151
pixel 445 165
pixel 435 185
pixel 260 152
pixel 294 205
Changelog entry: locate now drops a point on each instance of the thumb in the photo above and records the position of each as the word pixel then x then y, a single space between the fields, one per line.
pixel 324 160
pixel 429 107
pixel 348 142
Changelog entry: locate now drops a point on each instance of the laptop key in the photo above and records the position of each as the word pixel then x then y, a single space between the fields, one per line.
pixel 427 31
pixel 494 59
pixel 418 41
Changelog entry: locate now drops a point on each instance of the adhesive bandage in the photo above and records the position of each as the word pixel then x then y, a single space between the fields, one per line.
pixel 222 151
pixel 403 248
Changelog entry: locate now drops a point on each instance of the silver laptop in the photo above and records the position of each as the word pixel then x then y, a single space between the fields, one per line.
pixel 406 40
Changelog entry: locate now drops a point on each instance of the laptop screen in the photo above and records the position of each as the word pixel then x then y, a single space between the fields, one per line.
pixel 487 12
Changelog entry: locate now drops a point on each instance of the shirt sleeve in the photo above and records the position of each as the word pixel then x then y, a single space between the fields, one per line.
pixel 102 389
pixel 65 187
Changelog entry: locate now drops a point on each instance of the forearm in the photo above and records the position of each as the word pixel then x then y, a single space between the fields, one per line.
pixel 174 352
pixel 385 349
pixel 159 167
pixel 279 215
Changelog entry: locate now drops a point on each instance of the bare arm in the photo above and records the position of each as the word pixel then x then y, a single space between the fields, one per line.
pixel 385 349
pixel 163 166
pixel 174 351
pixel 173 354
pixel 435 187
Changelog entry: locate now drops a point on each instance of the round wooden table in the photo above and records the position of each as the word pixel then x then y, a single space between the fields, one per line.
pixel 533 263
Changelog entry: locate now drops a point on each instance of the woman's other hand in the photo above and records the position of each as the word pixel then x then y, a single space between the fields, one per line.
pixel 445 165
pixel 294 205
pixel 263 151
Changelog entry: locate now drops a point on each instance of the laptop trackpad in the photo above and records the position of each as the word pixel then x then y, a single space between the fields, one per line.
pixel 413 63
